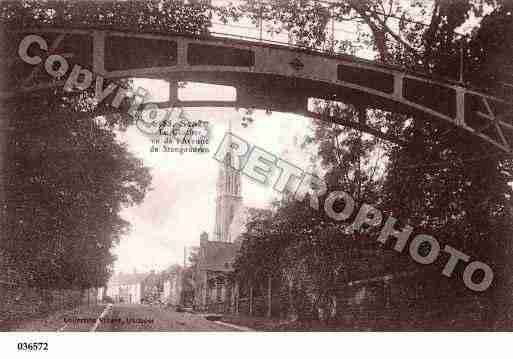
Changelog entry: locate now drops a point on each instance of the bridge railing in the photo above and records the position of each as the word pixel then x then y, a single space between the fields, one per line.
pixel 337 33
pixel 275 33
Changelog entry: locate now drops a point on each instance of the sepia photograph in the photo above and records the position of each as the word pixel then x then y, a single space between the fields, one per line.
pixel 339 167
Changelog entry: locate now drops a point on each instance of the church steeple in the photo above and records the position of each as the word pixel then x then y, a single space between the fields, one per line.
pixel 228 199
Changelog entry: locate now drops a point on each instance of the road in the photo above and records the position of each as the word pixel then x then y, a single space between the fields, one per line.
pixel 133 317
pixel 123 318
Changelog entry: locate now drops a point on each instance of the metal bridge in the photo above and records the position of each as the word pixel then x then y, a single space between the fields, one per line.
pixel 265 75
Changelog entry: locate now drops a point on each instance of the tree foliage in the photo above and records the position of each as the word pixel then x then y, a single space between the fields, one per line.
pixel 68 180
pixel 443 182
pixel 68 177
pixel 131 15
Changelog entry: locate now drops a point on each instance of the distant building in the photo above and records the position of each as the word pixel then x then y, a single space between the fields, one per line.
pixel 126 288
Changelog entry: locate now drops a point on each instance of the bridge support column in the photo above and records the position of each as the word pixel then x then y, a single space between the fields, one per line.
pixel 460 107
pixel 173 92
pixel 99 52
pixel 398 86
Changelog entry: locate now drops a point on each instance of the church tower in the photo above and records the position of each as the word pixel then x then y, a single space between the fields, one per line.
pixel 228 201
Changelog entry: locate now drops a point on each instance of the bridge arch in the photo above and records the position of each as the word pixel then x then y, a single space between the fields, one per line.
pixel 265 75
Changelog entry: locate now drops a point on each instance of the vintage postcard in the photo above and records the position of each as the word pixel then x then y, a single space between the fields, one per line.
pixel 255 166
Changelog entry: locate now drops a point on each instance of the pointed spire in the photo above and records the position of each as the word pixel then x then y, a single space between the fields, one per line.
pixel 228 194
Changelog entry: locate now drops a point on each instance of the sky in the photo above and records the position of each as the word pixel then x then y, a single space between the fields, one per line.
pixel 182 202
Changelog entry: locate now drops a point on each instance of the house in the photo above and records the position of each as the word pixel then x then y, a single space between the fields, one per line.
pixel 215 289
pixel 126 288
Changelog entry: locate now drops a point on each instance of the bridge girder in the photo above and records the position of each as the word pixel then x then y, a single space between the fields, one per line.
pixel 265 75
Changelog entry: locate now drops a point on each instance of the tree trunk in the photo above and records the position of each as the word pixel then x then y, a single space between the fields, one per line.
pixel 236 298
pixel 4 124
pixel 334 307
pixel 269 297
pixel 251 300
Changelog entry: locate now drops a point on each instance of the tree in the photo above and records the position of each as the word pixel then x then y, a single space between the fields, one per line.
pixel 434 182
pixel 68 181
pixel 455 185
pixel 68 177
